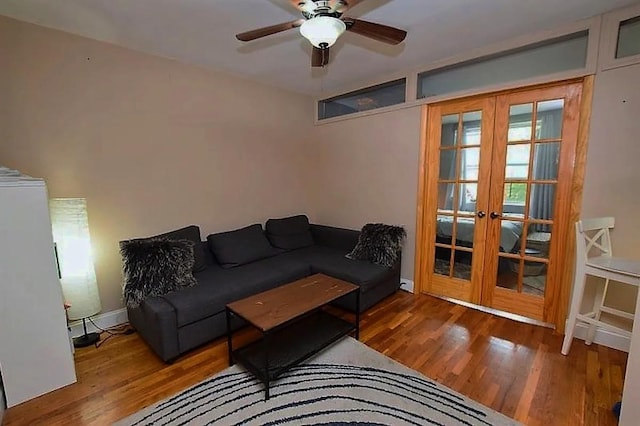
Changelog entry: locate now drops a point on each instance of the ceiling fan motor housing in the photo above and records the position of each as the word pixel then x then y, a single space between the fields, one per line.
pixel 312 9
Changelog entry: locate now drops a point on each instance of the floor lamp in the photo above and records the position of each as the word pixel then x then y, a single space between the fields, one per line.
pixel 70 227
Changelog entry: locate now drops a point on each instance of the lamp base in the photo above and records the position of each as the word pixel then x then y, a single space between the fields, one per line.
pixel 86 340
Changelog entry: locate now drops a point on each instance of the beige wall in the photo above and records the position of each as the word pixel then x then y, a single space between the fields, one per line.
pixel 151 143
pixel 154 144
pixel 369 168
pixel 613 173
pixel 612 181
pixel 367 171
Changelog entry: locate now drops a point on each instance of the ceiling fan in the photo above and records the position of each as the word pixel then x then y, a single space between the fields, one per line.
pixel 323 23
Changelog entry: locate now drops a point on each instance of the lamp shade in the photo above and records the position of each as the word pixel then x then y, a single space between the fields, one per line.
pixel 322 31
pixel 70 227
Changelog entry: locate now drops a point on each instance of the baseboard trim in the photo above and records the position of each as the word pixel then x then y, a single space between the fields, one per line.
pixel 603 337
pixel 496 312
pixel 406 285
pixel 104 321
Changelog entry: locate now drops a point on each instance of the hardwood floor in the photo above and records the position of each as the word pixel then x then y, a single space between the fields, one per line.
pixel 514 368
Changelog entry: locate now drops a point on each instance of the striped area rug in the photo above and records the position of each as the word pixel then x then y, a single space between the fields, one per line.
pixel 346 384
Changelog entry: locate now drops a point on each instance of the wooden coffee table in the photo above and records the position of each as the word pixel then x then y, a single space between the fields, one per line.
pixel 292 323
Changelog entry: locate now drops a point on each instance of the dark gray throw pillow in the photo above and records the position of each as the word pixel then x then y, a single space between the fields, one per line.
pixel 191 233
pixel 379 243
pixel 289 233
pixel 153 267
pixel 235 248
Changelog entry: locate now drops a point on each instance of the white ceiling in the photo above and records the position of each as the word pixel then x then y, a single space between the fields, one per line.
pixel 202 32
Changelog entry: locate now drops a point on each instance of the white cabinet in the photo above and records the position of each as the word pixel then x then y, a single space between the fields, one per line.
pixel 35 357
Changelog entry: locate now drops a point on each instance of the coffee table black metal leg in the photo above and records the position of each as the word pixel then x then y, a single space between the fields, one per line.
pixel 229 340
pixel 265 348
pixel 358 314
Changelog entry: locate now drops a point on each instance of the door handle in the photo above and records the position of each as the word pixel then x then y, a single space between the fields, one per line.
pixel 494 215
pixel 481 214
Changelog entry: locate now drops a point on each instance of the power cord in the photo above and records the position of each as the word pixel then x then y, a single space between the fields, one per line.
pixel 121 329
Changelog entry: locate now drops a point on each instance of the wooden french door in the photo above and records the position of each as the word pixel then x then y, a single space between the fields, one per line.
pixel 495 213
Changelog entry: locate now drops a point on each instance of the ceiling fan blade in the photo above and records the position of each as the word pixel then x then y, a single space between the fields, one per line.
pixel 375 31
pixel 342 6
pixel 273 29
pixel 319 57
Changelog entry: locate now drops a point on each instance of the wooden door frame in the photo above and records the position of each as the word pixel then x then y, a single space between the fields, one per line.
pixel 560 308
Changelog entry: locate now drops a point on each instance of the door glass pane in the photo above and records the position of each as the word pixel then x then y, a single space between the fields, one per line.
pixel 541 200
pixel 545 161
pixel 446 196
pixel 534 273
pixel 444 229
pixel 449 130
pixel 534 279
pixel 515 196
pixel 520 119
pixel 465 227
pixel 539 240
pixel 471 125
pixel 469 163
pixel 510 233
pixel 468 192
pixel 549 119
pixel 518 161
pixel 507 276
pixel 441 265
pixel 448 164
pixel 462 265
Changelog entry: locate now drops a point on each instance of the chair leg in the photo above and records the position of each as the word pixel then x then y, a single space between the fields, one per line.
pixel 576 302
pixel 597 309
pixel 568 335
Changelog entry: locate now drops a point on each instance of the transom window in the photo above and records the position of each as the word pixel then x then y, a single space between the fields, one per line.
pixel 380 96
pixel 628 38
pixel 564 53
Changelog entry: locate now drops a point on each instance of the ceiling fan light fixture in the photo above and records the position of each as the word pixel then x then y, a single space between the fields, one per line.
pixel 322 31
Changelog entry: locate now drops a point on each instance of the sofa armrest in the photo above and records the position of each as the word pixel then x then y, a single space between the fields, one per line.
pixel 155 320
pixel 338 238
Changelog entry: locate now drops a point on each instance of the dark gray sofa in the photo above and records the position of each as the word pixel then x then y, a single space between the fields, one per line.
pixel 179 321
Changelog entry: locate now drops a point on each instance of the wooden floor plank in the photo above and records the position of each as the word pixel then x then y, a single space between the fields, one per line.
pixel 511 367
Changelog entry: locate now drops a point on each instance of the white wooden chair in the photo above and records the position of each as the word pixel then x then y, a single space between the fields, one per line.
pixel 592 235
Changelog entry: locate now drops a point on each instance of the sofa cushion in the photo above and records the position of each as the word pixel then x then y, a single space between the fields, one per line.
pixel 153 267
pixel 379 243
pixel 289 233
pixel 245 245
pixel 339 238
pixel 217 286
pixel 191 233
pixel 333 262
